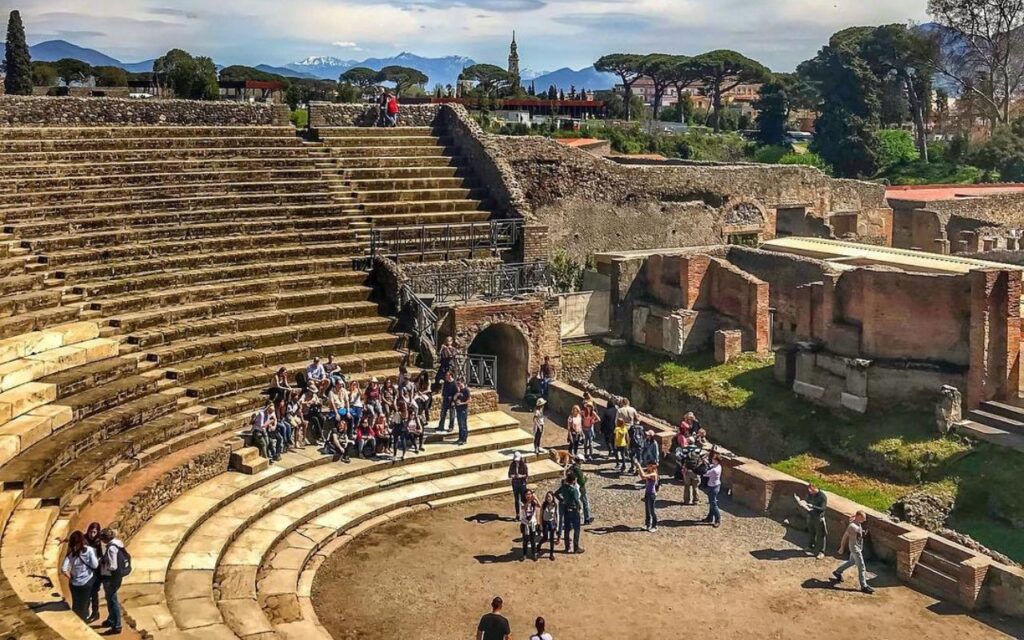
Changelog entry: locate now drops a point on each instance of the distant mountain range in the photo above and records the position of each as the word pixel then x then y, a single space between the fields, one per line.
pixel 566 78
pixel 53 50
pixel 444 70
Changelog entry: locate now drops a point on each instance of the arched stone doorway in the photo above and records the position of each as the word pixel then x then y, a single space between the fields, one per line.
pixel 509 345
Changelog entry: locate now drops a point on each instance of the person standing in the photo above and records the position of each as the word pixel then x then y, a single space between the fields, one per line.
pixel 111 574
pixel 853 538
pixel 446 359
pixel 448 391
pixel 609 418
pixel 79 566
pixel 714 476
pixel 519 474
pixel 528 524
pixel 569 497
pixel 574 431
pixel 549 522
pixel 817 502
pixel 493 625
pixel 92 538
pixel 621 439
pixel 392 111
pixel 650 453
pixel 691 479
pixel 382 108
pixel 650 477
pixel 588 418
pixel 538 425
pixel 581 482
pixel 539 624
pixel 462 410
pixel 627 413
pixel 546 375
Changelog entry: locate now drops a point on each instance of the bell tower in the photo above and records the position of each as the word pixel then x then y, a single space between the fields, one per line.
pixel 513 61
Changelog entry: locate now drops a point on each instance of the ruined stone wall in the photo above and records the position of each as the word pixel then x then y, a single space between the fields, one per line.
pixel 906 315
pixel 334 114
pixel 785 274
pixel 592 204
pixel 141 507
pixel 920 229
pixel 32 111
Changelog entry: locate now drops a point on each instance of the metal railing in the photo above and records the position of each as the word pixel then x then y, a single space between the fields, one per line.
pixel 502 281
pixel 419 241
pixel 424 321
pixel 480 370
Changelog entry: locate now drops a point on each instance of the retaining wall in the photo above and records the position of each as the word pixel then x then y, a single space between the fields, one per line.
pixel 41 111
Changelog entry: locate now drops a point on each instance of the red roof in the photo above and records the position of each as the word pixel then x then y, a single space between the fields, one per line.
pixel 936 192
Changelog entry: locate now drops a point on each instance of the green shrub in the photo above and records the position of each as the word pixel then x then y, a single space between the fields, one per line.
pixel 770 154
pixel 808 159
pixel 894 147
pixel 300 118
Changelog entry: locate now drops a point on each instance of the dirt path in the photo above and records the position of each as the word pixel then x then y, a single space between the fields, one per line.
pixel 431 575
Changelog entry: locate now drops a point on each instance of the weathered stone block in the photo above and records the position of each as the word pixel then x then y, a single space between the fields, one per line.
pixel 858 404
pixel 728 345
pixel 807 390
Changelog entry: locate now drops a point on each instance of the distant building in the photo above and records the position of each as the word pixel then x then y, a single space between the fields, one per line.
pixel 513 61
pixel 740 97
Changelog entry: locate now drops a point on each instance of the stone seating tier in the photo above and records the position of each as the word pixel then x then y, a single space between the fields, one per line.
pixel 158 237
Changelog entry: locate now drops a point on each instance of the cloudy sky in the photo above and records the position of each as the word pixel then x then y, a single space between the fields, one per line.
pixel 551 33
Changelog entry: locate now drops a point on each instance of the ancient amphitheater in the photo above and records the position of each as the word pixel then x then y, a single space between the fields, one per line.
pixel 161 259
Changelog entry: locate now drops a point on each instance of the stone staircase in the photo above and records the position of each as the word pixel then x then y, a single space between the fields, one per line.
pixel 1000 423
pixel 153 278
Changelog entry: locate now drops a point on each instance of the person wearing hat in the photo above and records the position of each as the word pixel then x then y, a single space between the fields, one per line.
pixel 519 474
pixel 538 425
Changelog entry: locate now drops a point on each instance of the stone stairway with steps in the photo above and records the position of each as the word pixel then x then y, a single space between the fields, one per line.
pixel 1000 423
pixel 153 278
pixel 212 563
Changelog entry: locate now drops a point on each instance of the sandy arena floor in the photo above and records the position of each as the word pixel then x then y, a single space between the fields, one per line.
pixel 431 575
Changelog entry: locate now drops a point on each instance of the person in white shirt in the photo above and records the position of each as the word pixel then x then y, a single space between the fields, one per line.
pixel 714 476
pixel 80 566
pixel 539 624
pixel 538 425
pixel 316 375
pixel 853 538
pixel 110 576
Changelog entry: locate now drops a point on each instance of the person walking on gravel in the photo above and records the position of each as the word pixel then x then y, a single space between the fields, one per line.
pixel 549 523
pixel 817 502
pixel 519 475
pixel 854 539
pixel 493 625
pixel 569 497
pixel 529 522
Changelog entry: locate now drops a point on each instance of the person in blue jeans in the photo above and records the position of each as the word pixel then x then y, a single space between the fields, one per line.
pixel 714 486
pixel 649 475
pixel 110 577
pixel 448 391
pixel 568 496
pixel 462 410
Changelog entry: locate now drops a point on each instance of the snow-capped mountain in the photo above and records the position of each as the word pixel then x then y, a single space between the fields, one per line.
pixel 439 70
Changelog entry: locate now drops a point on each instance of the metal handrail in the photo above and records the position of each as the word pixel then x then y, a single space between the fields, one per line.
pixel 425 321
pixel 500 282
pixel 419 240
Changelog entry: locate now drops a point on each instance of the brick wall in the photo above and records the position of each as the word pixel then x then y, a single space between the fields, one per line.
pixel 24 111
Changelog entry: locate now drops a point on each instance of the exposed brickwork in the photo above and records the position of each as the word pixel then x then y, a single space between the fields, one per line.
pixel 82 112
pixel 994 335
pixel 728 345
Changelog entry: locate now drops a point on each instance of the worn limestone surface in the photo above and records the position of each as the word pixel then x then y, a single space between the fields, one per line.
pixel 40 111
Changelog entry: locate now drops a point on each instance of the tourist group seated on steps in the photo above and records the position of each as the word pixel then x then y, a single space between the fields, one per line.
pixel 343 417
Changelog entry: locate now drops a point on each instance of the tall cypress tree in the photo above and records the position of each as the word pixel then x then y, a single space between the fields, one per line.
pixel 17 60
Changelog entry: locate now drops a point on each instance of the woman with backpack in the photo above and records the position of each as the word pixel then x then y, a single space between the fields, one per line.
pixel 114 566
pixel 80 566
pixel 92 539
pixel 529 517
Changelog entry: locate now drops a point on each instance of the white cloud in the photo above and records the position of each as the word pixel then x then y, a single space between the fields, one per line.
pixel 551 33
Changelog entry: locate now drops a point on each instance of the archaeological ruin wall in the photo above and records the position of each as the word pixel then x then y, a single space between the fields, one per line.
pixel 38 111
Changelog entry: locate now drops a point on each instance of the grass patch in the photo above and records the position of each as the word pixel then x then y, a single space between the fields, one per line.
pixel 873 459
pixel 841 481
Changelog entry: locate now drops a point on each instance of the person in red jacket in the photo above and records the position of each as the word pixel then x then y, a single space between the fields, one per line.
pixel 392 110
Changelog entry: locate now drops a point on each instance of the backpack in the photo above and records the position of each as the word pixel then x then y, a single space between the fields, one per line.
pixel 124 561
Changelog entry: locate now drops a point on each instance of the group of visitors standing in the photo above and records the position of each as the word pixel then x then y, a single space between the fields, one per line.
pixel 495 626
pixel 96 559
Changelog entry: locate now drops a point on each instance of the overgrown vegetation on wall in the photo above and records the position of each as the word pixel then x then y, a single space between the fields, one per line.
pixel 874 459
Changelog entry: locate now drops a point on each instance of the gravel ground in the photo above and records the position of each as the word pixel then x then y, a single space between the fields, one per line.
pixel 430 575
